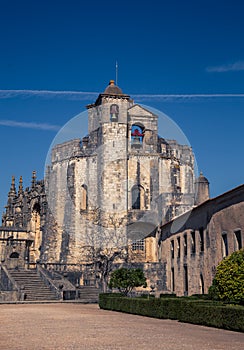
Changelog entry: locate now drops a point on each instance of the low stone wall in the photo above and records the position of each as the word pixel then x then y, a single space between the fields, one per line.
pixel 9 296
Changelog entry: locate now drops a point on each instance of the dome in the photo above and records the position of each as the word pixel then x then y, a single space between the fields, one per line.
pixel 113 89
pixel 202 178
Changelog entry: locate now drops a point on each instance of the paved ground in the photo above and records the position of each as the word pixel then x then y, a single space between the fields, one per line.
pixel 77 326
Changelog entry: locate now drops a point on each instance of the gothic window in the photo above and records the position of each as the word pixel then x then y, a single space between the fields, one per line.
pixel 136 135
pixel 137 197
pixel 138 245
pixel 114 113
pixel 84 198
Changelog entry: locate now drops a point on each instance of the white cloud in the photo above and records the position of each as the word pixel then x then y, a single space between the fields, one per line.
pixel 235 67
pixel 29 125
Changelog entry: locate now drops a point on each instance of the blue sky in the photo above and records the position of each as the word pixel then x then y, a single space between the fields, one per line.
pixel 185 58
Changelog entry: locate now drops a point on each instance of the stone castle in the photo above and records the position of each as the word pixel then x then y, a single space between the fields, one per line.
pixel 123 187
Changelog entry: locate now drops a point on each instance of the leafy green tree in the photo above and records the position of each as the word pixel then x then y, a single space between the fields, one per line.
pixel 126 279
pixel 228 284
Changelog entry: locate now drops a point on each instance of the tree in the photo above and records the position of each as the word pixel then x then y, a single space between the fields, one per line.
pixel 228 284
pixel 126 279
pixel 104 260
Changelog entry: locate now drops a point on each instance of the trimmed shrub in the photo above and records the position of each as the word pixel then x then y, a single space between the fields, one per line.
pixel 208 313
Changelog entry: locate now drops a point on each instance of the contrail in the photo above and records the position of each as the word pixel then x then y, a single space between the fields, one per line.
pixel 84 95
pixel 29 125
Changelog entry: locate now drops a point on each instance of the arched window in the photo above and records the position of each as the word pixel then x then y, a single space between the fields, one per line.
pixel 84 198
pixel 137 195
pixel 137 135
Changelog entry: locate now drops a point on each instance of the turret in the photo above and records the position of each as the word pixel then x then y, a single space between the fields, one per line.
pixel 201 189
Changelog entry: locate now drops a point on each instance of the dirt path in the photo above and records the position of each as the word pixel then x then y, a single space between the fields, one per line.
pixel 77 326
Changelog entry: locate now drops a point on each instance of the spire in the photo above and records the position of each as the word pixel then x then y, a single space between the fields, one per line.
pixel 12 192
pixel 20 186
pixel 8 219
pixel 33 182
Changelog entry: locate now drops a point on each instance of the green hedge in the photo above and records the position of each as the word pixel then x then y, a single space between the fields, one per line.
pixel 202 312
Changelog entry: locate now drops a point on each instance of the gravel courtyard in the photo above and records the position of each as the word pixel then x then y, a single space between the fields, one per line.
pixel 79 326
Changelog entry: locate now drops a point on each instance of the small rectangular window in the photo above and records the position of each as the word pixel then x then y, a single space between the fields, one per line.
pixel 138 245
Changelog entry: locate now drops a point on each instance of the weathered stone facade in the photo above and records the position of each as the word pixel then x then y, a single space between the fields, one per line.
pixel 24 220
pixel 192 246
